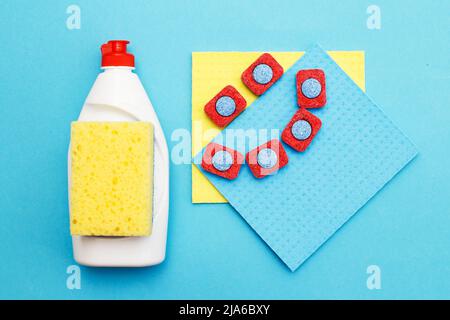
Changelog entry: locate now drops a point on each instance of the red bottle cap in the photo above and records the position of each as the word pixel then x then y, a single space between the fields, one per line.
pixel 114 54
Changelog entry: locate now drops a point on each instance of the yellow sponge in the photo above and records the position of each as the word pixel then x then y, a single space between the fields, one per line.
pixel 112 178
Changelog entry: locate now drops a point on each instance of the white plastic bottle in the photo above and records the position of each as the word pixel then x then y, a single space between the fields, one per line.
pixel 118 95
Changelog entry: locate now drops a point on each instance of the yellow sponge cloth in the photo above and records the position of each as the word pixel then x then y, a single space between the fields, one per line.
pixel 112 178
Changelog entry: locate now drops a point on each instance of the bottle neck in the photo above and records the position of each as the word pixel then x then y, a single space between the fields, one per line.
pixel 117 68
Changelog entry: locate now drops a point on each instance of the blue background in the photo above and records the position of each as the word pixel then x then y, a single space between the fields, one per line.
pixel 47 71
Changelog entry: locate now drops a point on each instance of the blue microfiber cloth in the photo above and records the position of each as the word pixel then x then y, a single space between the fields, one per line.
pixel 357 151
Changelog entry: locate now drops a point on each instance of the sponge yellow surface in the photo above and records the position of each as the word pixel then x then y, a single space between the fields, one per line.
pixel 112 178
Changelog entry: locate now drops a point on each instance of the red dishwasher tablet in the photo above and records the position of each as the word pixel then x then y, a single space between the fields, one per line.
pixel 267 158
pixel 262 74
pixel 222 161
pixel 225 106
pixel 311 88
pixel 301 130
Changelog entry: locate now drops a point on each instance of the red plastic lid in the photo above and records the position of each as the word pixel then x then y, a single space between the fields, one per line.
pixel 114 54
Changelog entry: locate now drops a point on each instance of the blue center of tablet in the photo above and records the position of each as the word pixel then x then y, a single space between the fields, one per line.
pixel 301 130
pixel 262 73
pixel 267 158
pixel 225 106
pixel 311 88
pixel 222 160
